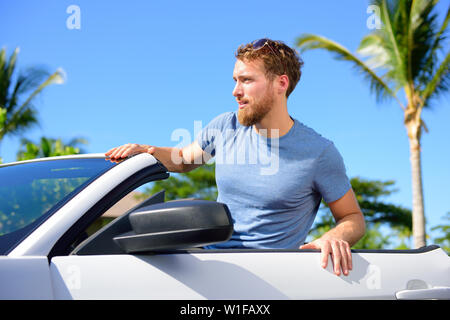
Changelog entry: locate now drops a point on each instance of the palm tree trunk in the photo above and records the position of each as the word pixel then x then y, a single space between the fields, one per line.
pixel 418 212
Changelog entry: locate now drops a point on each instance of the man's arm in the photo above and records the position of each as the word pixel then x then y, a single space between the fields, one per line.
pixel 174 159
pixel 350 227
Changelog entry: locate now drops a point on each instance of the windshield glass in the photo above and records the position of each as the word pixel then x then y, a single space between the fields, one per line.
pixel 31 192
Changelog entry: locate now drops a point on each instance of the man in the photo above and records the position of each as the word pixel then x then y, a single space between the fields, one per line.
pixel 271 207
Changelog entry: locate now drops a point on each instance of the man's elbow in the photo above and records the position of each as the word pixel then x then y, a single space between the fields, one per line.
pixel 186 167
pixel 361 225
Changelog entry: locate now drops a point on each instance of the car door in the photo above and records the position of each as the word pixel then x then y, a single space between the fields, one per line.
pixel 25 278
pixel 249 274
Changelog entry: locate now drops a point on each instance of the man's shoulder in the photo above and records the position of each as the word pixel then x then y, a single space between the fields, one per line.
pixel 311 137
pixel 226 120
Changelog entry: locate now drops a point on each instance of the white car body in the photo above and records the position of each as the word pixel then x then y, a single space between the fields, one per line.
pixel 34 269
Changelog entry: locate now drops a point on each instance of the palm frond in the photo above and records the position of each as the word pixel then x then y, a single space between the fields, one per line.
pixel 377 85
pixel 6 70
pixel 17 116
pixel 435 77
pixel 27 81
pixel 391 19
pixel 373 48
pixel 19 122
pixel 4 80
pixel 55 78
pixel 441 34
pixel 2 59
pixel 12 63
pixel 439 83
pixel 421 43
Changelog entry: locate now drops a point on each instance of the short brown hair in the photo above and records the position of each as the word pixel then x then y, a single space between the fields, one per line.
pixel 285 61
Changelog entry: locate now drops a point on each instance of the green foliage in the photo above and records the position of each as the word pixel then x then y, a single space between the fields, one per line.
pixel 368 194
pixel 444 239
pixel 373 239
pixel 48 148
pixel 199 183
pixel 2 117
pixel 17 112
pixel 376 213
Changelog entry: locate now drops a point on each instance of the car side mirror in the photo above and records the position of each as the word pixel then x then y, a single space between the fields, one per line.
pixel 178 224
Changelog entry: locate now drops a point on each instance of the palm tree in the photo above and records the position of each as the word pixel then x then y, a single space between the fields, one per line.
pixel 405 55
pixel 17 112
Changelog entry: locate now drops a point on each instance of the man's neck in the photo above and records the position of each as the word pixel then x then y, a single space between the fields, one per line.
pixel 276 123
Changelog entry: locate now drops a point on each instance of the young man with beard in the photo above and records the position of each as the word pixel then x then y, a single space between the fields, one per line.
pixel 270 208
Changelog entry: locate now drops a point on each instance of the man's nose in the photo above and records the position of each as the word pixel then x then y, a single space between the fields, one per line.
pixel 237 91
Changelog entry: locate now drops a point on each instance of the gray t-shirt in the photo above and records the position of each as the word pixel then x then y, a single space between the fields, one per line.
pixel 272 186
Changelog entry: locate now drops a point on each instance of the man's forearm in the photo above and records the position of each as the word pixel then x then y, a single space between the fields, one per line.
pixel 170 157
pixel 351 228
pixel 173 159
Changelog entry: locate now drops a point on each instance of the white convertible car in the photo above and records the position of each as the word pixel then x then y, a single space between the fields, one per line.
pixel 154 250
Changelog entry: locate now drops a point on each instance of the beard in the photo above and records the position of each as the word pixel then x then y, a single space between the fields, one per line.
pixel 252 114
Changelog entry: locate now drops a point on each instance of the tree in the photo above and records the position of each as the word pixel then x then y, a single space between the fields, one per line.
pixel 198 183
pixel 444 239
pixel 406 53
pixel 17 94
pixel 377 214
pixel 48 147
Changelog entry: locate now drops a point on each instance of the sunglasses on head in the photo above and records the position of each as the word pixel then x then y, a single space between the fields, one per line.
pixel 258 44
pixel 261 43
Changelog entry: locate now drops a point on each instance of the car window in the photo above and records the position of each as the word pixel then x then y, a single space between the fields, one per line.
pixel 122 206
pixel 114 215
pixel 30 192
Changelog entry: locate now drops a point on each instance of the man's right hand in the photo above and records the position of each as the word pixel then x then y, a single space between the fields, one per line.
pixel 128 150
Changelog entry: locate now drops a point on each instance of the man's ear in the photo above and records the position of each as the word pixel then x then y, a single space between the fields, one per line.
pixel 283 83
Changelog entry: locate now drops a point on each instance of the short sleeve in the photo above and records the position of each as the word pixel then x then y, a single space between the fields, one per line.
pixel 330 178
pixel 211 134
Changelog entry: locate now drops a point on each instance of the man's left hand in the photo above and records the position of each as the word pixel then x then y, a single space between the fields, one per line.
pixel 339 250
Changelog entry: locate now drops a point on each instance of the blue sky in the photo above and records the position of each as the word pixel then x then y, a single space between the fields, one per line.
pixel 139 70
